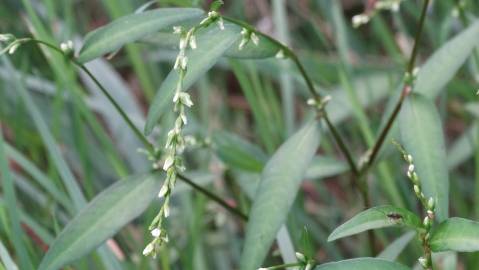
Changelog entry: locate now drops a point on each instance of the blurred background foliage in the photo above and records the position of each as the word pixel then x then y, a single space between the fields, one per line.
pixel 243 111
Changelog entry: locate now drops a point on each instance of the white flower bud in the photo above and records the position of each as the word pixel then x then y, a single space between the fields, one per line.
pixel 300 257
pixel 221 24
pixel 417 190
pixel 168 163
pixel 431 203
pixel 193 42
pixel 359 20
pixel 280 54
pixel 148 249
pixel 255 39
pixel 13 48
pixel 166 212
pixel 156 233
pixel 163 190
pixel 185 99
pixel 177 29
pixel 423 262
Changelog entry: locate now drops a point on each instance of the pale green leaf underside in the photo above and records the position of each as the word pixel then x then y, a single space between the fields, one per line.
pixel 101 219
pixel 280 181
pixel 130 28
pixel 423 137
pixel 363 264
pixel 375 218
pixel 456 234
pixel 212 43
pixel 392 251
pixel 444 63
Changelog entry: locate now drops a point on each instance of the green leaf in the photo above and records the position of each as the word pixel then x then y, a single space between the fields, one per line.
pixel 212 43
pixel 445 62
pixel 130 28
pixel 322 167
pixel 280 181
pixel 363 264
pixel 392 251
pixel 101 219
pixel 238 153
pixel 456 234
pixel 375 218
pixel 423 138
pixel 6 259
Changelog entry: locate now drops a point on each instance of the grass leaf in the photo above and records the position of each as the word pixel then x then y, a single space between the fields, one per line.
pixel 280 181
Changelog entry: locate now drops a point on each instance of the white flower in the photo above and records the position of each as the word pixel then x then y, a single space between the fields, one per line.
pixel 183 118
pixel 168 162
pixel 243 43
pixel 182 43
pixel 311 102
pixel 184 62
pixel 193 42
pixel 221 25
pixel 411 167
pixel 300 256
pixel 6 37
pixel 279 54
pixel 156 233
pixel 163 190
pixel 177 29
pixel 185 99
pixel 255 39
pixel 359 20
pixel 148 249
pixel 13 48
pixel 166 211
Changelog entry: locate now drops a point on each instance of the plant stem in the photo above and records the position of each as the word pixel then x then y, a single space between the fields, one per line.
pixel 138 132
pixel 213 197
pixel 285 266
pixel 405 91
pixel 310 86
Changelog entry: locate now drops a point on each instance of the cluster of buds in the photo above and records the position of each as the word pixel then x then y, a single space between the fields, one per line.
pixel 67 48
pixel 247 36
pixel 363 18
pixel 175 143
pixel 319 104
pixel 428 204
pixel 12 43
pixel 213 16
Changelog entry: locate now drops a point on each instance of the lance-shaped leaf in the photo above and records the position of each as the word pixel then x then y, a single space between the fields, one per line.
pixel 392 251
pixel 456 234
pixel 422 136
pixel 212 43
pixel 363 264
pixel 101 219
pixel 280 181
pixel 130 28
pixel 375 218
pixel 444 63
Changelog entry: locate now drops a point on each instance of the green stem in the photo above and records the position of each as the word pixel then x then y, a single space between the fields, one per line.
pixel 213 197
pixel 310 86
pixel 405 91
